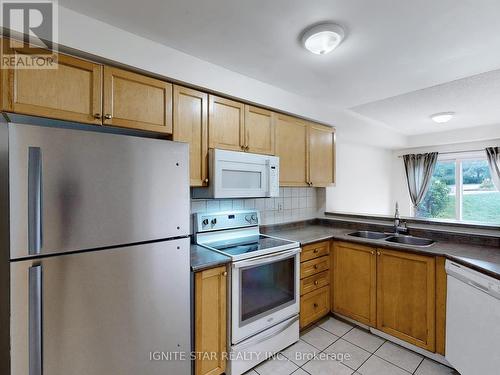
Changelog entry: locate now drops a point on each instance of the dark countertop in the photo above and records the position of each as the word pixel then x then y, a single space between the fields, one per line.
pixel 484 259
pixel 202 258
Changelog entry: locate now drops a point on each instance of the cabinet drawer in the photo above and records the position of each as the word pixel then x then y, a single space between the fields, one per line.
pixel 314 266
pixel 314 306
pixel 315 250
pixel 314 282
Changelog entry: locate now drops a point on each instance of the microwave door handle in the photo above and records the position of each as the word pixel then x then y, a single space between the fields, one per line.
pixel 266 259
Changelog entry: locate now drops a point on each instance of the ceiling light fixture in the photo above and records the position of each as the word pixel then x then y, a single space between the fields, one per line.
pixel 323 38
pixel 442 117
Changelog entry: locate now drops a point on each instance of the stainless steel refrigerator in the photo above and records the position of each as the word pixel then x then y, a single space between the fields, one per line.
pixel 94 271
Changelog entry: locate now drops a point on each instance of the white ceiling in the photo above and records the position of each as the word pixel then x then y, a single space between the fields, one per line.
pixel 476 101
pixel 393 47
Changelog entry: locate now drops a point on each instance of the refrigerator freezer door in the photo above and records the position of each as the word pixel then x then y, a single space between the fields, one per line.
pixel 103 312
pixel 76 190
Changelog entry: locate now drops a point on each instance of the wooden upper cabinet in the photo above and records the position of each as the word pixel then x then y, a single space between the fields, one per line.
pixel 135 101
pixel 71 92
pixel 191 126
pixel 321 155
pixel 292 149
pixel 259 130
pixel 406 296
pixel 210 321
pixel 226 124
pixel 354 282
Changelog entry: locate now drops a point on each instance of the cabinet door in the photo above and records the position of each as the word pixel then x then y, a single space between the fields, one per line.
pixel 354 275
pixel 210 320
pixel 314 306
pixel 292 149
pixel 191 126
pixel 406 296
pixel 259 130
pixel 71 92
pixel 226 124
pixel 135 101
pixel 321 155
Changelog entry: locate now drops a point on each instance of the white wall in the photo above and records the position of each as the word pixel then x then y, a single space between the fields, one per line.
pixel 364 176
pixel 399 188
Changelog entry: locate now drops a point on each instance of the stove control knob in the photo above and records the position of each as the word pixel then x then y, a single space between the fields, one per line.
pixel 248 218
pixel 204 222
pixel 254 218
pixel 214 221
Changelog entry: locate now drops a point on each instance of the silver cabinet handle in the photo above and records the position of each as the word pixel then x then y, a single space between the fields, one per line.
pixel 35 320
pixel 35 198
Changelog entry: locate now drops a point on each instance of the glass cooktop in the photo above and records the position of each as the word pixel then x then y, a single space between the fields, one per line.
pixel 245 245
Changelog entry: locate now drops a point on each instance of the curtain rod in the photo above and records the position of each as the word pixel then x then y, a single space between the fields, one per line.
pixel 452 152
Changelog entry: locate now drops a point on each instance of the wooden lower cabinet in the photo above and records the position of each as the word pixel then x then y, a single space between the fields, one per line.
pixel 315 282
pixel 406 297
pixel 314 306
pixel 314 266
pixel 354 282
pixel 399 293
pixel 210 320
pixel 315 250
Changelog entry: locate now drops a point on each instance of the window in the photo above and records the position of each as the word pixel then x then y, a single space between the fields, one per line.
pixel 461 189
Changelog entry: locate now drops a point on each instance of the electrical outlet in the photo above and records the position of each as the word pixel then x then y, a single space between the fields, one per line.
pixel 280 206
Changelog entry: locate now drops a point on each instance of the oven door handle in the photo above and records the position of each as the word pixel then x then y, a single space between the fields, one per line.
pixel 266 259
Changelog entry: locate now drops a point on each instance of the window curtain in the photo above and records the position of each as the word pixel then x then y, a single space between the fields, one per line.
pixel 493 155
pixel 419 169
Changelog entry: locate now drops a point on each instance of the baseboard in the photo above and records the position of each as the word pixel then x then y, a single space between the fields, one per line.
pixel 435 357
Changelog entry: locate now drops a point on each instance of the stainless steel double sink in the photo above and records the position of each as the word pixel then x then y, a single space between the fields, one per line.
pixel 391 237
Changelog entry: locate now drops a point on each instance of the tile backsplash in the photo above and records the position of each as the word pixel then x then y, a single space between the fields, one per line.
pixel 293 204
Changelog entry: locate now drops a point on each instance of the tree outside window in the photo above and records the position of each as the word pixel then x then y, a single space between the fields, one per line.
pixel 461 189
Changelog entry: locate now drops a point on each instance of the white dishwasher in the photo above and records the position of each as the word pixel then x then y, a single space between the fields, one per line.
pixel 472 321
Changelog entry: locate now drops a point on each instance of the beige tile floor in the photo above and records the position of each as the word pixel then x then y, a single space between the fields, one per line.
pixel 320 350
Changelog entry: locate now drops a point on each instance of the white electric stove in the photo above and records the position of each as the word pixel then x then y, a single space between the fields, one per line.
pixel 265 275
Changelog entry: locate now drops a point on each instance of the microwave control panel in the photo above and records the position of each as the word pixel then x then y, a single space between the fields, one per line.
pixel 274 178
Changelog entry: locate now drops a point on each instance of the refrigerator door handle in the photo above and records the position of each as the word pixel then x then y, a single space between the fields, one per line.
pixel 35 320
pixel 35 197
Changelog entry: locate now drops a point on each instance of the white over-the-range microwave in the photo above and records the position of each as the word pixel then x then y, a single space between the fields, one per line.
pixel 234 174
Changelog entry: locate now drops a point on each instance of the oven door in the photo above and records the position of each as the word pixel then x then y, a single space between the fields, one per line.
pixel 265 292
